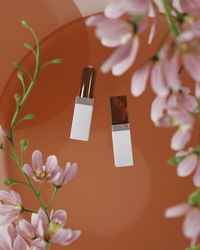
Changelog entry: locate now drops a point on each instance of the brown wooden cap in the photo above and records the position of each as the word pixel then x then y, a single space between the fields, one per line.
pixel 119 113
pixel 87 83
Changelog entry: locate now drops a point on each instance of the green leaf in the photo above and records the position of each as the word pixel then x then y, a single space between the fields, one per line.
pixel 10 181
pixel 176 160
pixel 194 198
pixel 55 61
pixel 17 97
pixel 28 46
pixel 59 60
pixel 26 24
pixel 17 64
pixel 28 117
pixel 20 76
pixel 23 144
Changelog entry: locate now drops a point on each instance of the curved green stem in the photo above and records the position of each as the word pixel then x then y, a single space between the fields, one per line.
pixel 54 194
pixel 16 115
pixel 170 18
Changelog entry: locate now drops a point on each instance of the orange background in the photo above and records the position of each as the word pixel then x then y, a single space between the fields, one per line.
pixel 116 208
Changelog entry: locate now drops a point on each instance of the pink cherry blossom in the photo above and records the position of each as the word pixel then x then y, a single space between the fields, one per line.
pixel 16 242
pixel 178 103
pixel 191 224
pixel 188 165
pixel 45 232
pixel 12 209
pixel 67 175
pixel 39 172
pixel 161 80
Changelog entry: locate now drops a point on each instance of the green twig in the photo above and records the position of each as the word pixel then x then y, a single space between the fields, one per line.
pixel 40 189
pixel 170 18
pixel 29 211
pixel 54 194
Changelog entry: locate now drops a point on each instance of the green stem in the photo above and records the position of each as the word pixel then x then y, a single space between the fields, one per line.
pixel 12 156
pixel 40 188
pixel 170 18
pixel 54 194
pixel 47 246
pixel 29 211
pixel 15 117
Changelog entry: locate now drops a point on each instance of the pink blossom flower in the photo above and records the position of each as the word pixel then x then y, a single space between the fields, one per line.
pixel 161 80
pixel 39 172
pixel 188 44
pixel 13 209
pixel 67 175
pixel 178 104
pixel 189 164
pixel 48 232
pixel 117 33
pixel 191 224
pixel 16 241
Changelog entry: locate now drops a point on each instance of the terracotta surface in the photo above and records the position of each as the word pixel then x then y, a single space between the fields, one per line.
pixel 117 209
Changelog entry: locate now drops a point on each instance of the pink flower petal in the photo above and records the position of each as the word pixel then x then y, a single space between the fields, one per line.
pixel 61 236
pixel 37 159
pixel 26 229
pixel 187 6
pixel 173 79
pixel 180 139
pixel 191 225
pixel 157 108
pixel 75 236
pixel 177 210
pixel 28 170
pixel 42 216
pixel 139 79
pixel 59 216
pixel 6 196
pixel 191 63
pixel 196 178
pixel 94 20
pixel 158 81
pixel 4 243
pixel 123 65
pixel 69 172
pixel 19 244
pixel 187 165
pixel 39 244
pixel 12 233
pixel 16 197
pixel 115 9
pixel 51 163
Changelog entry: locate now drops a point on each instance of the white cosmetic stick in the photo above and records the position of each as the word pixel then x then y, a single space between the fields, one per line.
pixel 83 109
pixel 121 135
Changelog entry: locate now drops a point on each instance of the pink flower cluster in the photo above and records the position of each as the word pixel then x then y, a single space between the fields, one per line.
pixel 40 231
pixel 50 172
pixel 174 106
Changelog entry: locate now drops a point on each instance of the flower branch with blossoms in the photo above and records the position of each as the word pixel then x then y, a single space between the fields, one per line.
pixel 120 27
pixel 45 227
